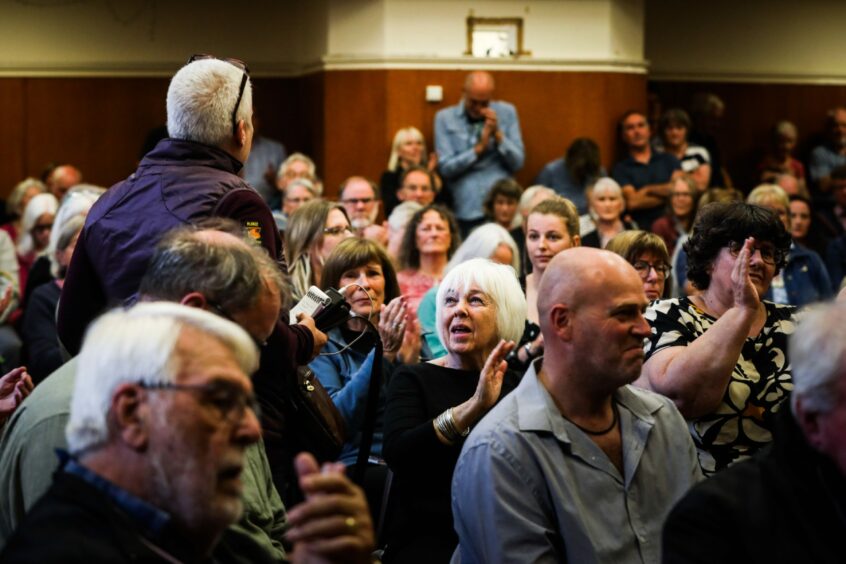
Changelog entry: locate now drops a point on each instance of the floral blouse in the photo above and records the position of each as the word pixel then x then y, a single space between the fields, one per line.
pixel 760 382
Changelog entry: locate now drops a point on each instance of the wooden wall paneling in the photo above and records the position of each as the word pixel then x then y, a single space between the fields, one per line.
pixel 97 124
pixel 12 134
pixel 309 118
pixel 354 126
pixel 751 111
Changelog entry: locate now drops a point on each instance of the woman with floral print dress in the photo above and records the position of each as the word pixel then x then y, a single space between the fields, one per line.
pixel 721 354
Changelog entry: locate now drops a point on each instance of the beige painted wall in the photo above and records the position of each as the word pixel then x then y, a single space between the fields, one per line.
pixel 279 37
pixel 749 40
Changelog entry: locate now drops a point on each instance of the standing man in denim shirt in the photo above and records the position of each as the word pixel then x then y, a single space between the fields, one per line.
pixel 478 142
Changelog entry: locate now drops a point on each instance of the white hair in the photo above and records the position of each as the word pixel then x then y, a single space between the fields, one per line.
pixel 200 101
pixel 499 282
pixel 817 352
pixel 295 157
pixel 530 194
pixel 402 214
pixel 38 206
pixel 607 184
pixel 305 183
pixel 76 202
pixel 483 243
pixel 138 345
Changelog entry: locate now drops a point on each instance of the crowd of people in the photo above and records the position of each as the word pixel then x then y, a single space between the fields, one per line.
pixel 643 366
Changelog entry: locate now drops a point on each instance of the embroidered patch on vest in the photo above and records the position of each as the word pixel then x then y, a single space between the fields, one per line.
pixel 254 230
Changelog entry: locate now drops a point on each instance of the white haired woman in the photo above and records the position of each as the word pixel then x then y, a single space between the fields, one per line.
pixel 490 241
pixel 76 202
pixel 606 209
pixel 408 149
pixel 36 225
pixel 432 406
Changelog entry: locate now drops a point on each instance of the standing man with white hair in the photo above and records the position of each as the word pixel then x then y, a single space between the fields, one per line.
pixel 787 504
pixel 478 142
pixel 190 176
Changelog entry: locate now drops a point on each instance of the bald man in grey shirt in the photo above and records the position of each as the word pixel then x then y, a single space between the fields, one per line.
pixel 576 465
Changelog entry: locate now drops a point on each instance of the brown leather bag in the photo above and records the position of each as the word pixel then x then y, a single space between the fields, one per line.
pixel 314 417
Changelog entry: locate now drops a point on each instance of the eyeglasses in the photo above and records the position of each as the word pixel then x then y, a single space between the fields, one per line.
pixel 356 201
pixel 219 309
pixel 662 269
pixel 337 230
pixel 237 63
pixel 228 398
pixel 769 254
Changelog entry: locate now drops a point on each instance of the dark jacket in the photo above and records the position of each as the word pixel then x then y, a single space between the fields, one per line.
pixel 75 523
pixel 177 183
pixel 788 504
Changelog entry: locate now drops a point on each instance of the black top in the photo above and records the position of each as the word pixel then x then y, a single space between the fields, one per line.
pixel 788 504
pixel 420 526
pixel 38 332
pixel 77 523
pixel 388 186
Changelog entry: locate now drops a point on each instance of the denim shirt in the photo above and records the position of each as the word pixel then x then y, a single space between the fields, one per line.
pixel 469 176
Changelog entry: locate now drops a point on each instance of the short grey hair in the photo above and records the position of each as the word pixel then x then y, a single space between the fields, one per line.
pixel 305 183
pixel 138 346
pixel 76 203
pixel 483 243
pixel 402 214
pixel 231 275
pixel 817 352
pixel 200 101
pixel 294 157
pixel 500 283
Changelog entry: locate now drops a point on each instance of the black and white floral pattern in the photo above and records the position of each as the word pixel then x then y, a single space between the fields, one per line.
pixel 760 382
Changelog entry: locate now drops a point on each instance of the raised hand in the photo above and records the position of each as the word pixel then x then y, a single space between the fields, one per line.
pixel 743 290
pixel 392 324
pixel 490 379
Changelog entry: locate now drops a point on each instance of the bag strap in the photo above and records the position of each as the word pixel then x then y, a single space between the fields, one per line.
pixel 370 409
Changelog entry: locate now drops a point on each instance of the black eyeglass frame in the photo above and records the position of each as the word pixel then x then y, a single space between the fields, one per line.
pixel 238 63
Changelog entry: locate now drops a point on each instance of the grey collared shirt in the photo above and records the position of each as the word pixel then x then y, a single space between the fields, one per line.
pixel 531 487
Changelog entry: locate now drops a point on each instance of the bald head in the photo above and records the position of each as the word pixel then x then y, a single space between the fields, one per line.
pixel 577 277
pixel 478 92
pixel 591 305
pixel 62 179
pixel 479 79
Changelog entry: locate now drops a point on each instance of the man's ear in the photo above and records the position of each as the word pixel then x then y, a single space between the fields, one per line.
pixel 129 416
pixel 809 422
pixel 241 133
pixel 194 299
pixel 561 321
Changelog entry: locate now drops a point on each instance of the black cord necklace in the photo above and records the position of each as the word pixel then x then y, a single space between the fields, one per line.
pixel 598 433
